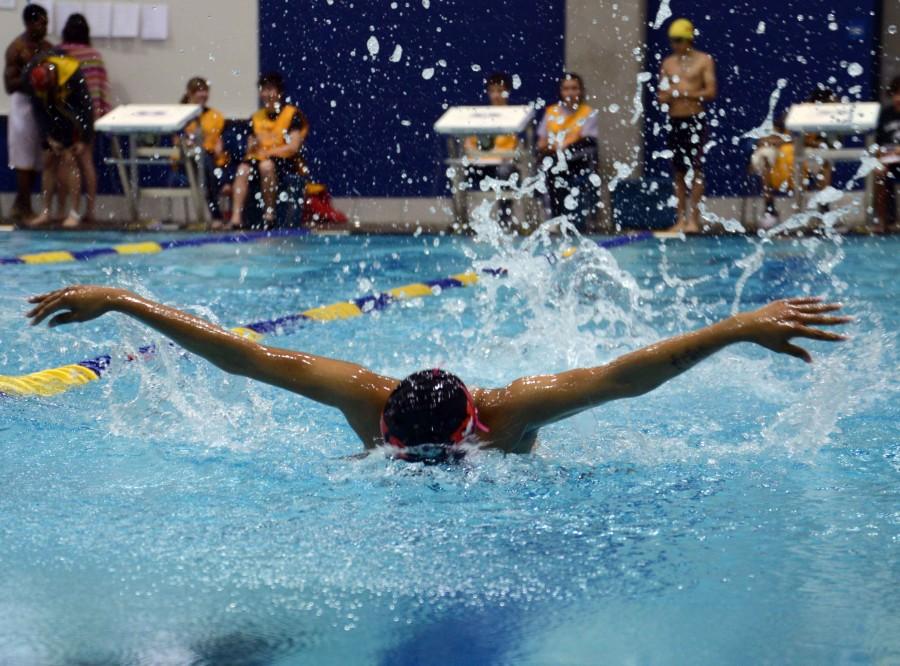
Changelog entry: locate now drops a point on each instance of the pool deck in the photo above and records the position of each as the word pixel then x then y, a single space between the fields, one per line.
pixel 403 216
pixel 380 228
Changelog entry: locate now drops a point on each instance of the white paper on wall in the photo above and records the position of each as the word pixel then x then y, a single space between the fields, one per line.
pixel 126 19
pixel 7 4
pixel 63 11
pixel 154 21
pixel 99 18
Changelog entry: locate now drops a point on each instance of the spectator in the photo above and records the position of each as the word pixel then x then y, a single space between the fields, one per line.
pixel 888 172
pixel 76 43
pixel 687 82
pixel 24 138
pixel 64 113
pixel 817 171
pixel 773 161
pixel 497 149
pixel 207 131
pixel 273 149
pixel 567 138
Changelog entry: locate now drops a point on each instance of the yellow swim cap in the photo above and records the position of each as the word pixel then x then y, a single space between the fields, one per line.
pixel 681 29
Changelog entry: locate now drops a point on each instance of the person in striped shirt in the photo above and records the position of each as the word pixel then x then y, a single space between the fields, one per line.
pixel 76 43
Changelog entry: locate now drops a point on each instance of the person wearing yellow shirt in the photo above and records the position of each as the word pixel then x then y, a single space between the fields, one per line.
pixel 773 162
pixel 494 154
pixel 207 130
pixel 498 87
pixel 567 140
pixel 278 132
pixel 65 114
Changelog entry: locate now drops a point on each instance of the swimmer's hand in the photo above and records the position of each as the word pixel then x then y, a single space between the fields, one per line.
pixel 73 304
pixel 774 325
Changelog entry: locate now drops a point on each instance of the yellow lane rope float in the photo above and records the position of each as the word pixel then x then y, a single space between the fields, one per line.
pixel 147 247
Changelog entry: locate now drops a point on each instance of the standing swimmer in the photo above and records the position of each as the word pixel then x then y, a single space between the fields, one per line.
pixel 431 414
pixel 687 84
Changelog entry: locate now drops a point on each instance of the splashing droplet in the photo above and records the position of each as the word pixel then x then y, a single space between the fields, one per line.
pixel 373 46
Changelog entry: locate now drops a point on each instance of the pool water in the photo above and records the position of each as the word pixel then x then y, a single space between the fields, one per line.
pixel 747 512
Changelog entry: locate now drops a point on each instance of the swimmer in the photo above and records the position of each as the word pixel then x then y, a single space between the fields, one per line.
pixel 431 414
pixel 687 85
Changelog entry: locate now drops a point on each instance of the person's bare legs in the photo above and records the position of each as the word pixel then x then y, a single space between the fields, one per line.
pixel 239 197
pixel 21 207
pixel 698 188
pixel 269 186
pixel 70 178
pixel 85 159
pixel 48 189
pixel 681 197
pixel 883 199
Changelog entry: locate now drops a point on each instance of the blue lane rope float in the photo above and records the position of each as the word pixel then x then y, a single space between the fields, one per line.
pixel 148 247
pixel 58 380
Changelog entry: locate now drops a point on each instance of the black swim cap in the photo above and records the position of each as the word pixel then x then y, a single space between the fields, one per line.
pixel 428 407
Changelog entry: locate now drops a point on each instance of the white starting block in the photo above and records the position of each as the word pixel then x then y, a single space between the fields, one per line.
pixel 155 120
pixel 468 120
pixel 461 122
pixel 835 119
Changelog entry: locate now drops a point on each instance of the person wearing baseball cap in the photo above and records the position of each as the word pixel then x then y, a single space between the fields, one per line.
pixel 687 85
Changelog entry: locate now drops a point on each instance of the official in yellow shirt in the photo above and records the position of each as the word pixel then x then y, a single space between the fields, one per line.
pixel 278 132
pixel 208 130
pixel 63 110
pixel 567 139
pixel 493 156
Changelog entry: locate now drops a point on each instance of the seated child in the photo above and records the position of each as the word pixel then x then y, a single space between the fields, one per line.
pixel 279 131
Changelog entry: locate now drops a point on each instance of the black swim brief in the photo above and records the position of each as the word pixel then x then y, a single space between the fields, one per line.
pixel 687 140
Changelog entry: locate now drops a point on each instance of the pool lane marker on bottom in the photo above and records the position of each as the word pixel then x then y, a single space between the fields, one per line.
pixel 148 247
pixel 58 380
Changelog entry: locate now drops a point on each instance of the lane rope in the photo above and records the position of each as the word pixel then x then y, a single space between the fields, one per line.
pixel 147 247
pixel 54 381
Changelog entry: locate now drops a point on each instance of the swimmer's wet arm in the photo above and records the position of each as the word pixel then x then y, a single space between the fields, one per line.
pixel 549 398
pixel 349 387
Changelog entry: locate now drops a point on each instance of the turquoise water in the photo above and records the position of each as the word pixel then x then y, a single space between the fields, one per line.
pixel 748 512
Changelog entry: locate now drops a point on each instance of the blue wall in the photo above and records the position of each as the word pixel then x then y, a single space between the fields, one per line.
pixel 321 49
pixel 379 104
pixel 803 52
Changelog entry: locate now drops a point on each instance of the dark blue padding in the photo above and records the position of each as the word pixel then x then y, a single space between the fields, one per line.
pixel 371 124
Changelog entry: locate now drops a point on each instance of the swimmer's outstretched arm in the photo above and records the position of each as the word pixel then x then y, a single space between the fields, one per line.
pixel 544 399
pixel 356 391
